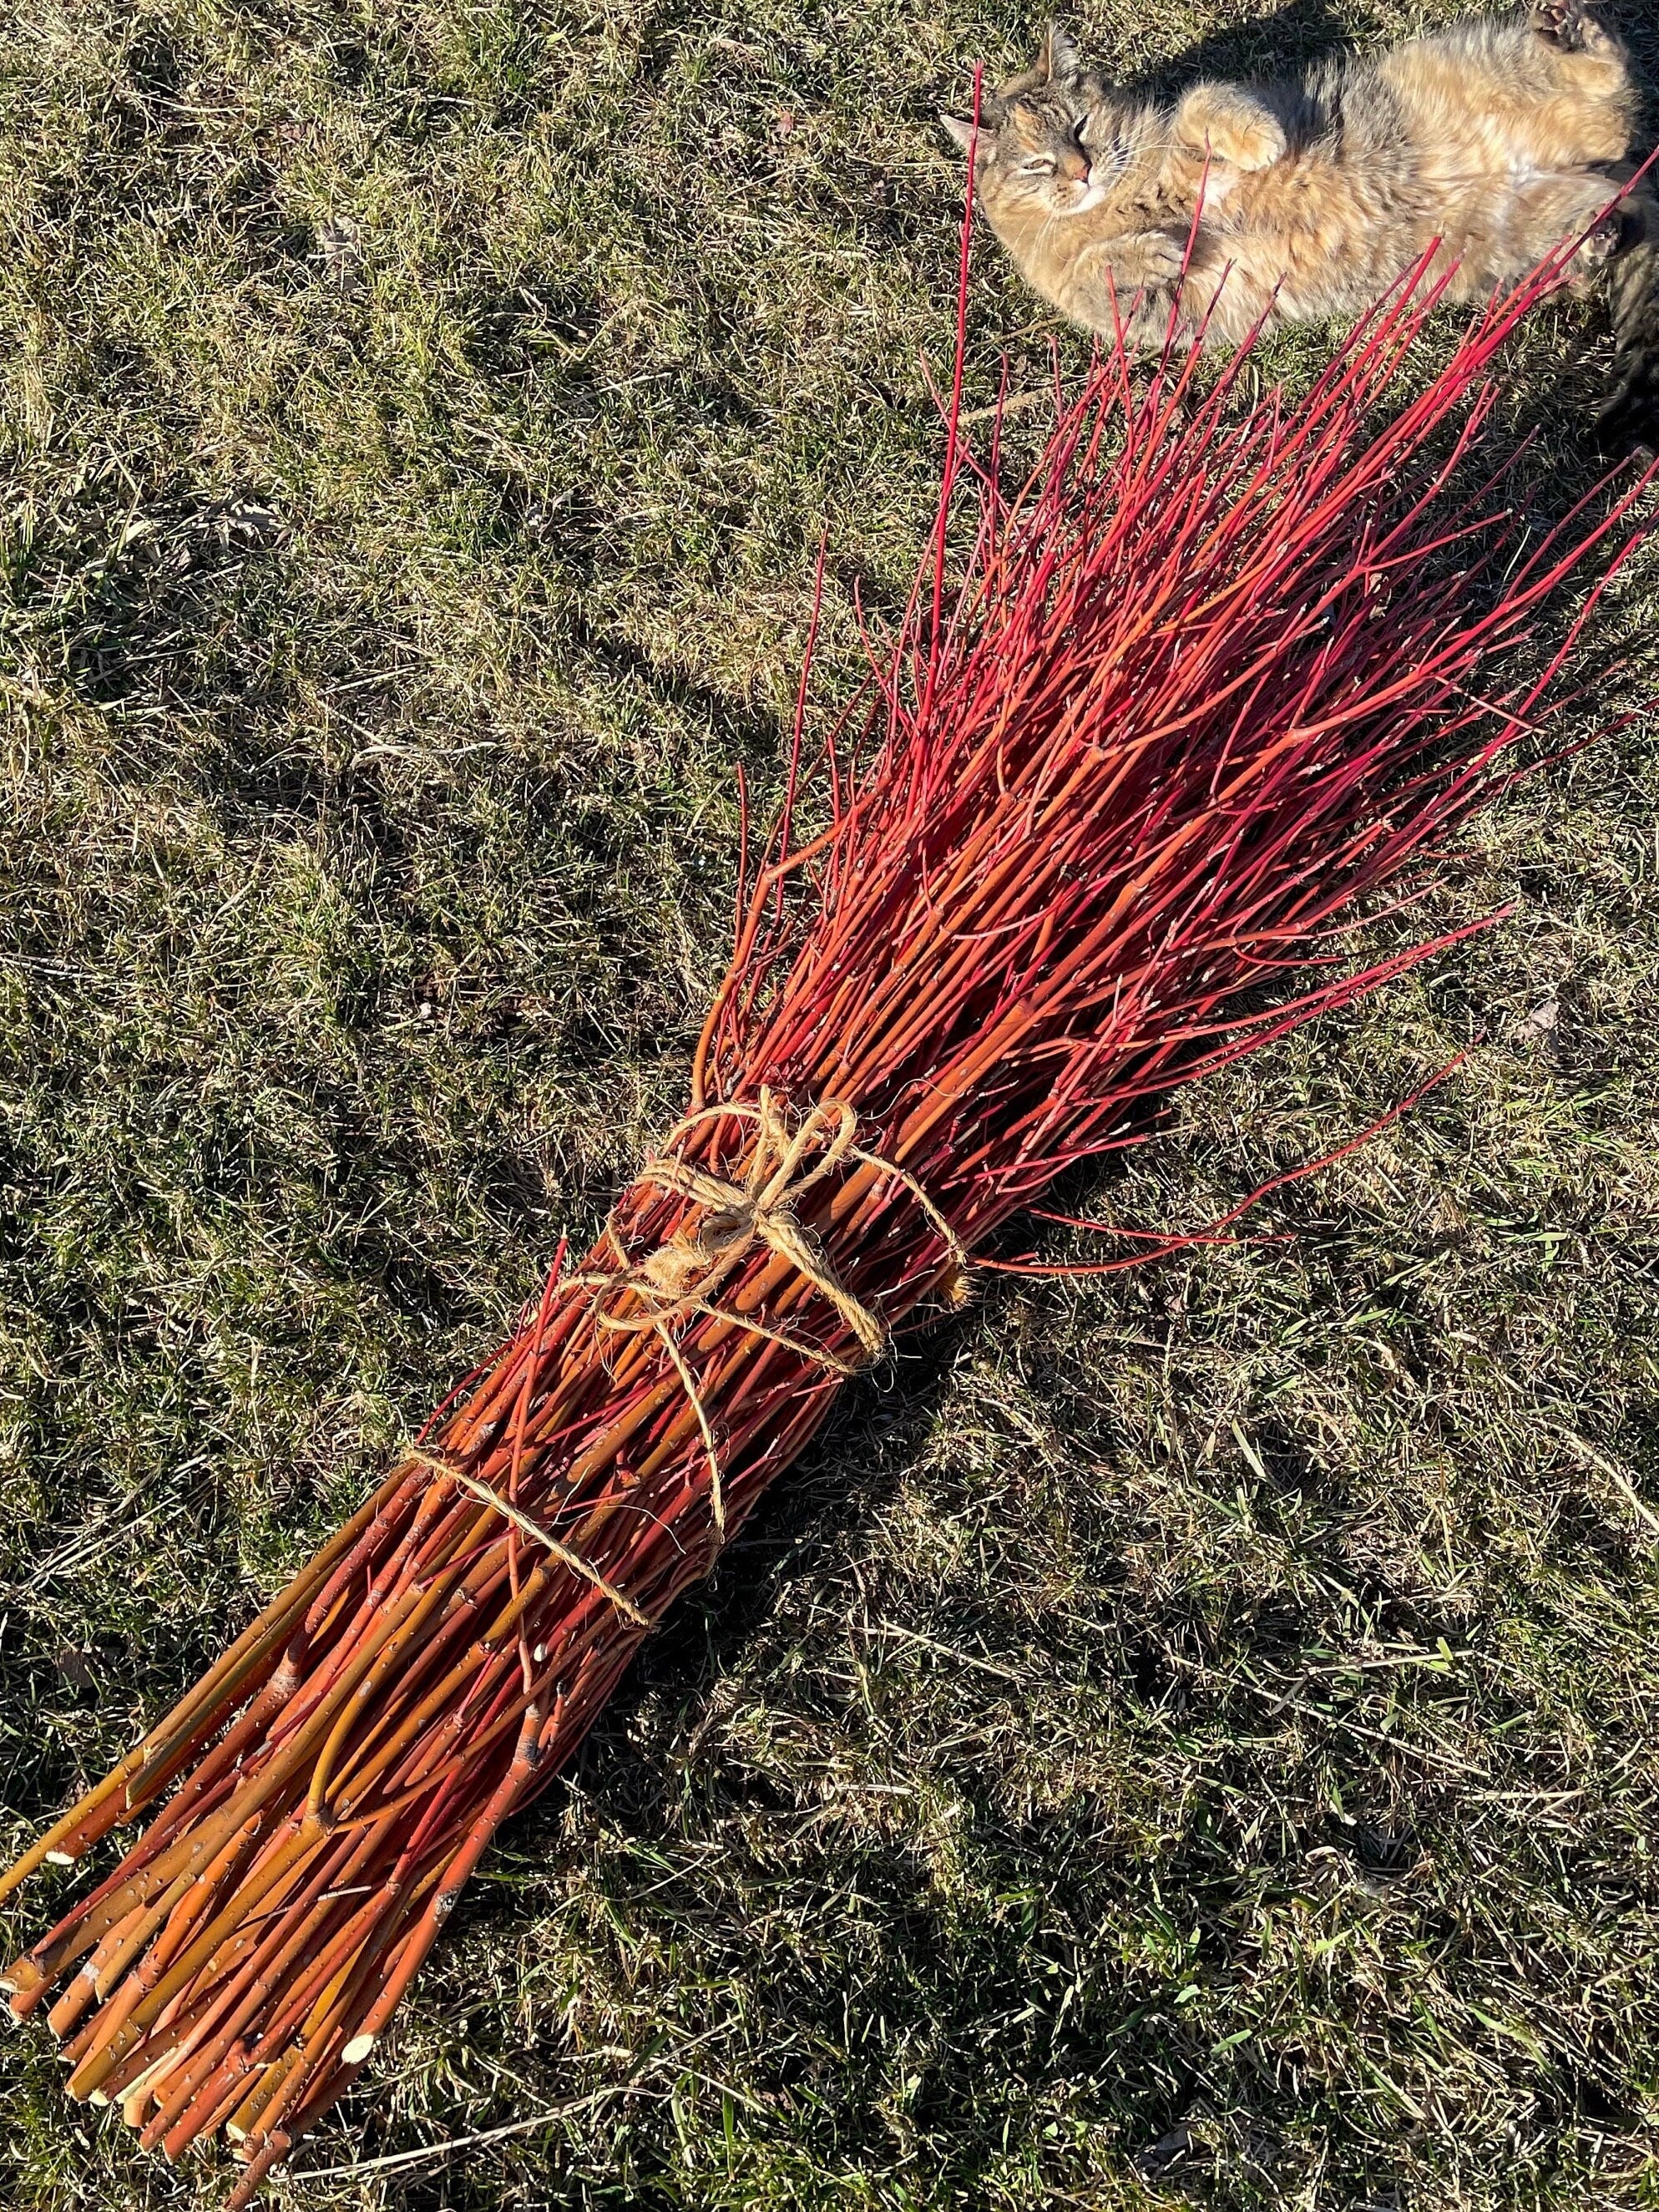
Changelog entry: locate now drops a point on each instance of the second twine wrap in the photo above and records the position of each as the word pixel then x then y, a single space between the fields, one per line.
pixel 438 1663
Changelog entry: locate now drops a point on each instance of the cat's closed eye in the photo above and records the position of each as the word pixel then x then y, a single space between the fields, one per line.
pixel 1037 165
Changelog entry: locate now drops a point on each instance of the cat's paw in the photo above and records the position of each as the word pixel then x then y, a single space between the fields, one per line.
pixel 1246 138
pixel 1569 25
pixel 1232 127
pixel 1157 257
pixel 1600 243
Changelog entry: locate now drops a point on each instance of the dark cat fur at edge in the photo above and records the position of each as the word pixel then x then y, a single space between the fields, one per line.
pixel 1628 421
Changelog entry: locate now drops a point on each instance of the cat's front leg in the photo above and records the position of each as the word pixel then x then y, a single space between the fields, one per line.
pixel 1231 124
pixel 1147 258
pixel 1131 282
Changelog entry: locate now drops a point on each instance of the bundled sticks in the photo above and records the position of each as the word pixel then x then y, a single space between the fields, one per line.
pixel 1219 669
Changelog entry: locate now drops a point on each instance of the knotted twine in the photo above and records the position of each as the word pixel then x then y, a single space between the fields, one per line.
pixel 680 1279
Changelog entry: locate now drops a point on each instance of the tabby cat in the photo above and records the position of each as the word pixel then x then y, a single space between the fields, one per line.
pixel 1490 143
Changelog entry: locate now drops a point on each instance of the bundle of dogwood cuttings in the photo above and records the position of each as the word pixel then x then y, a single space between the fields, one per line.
pixel 1156 719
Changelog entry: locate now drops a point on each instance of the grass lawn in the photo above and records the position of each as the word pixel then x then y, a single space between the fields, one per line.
pixel 1186 1741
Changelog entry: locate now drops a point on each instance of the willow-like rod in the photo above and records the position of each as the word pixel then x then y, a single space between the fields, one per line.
pixel 1221 668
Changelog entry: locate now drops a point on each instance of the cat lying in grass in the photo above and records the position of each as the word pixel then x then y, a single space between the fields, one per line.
pixel 1494 142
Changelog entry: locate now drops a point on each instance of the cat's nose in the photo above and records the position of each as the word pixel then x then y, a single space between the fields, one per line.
pixel 1074 165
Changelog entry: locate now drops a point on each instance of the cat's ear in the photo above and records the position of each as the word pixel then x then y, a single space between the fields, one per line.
pixel 961 128
pixel 1061 58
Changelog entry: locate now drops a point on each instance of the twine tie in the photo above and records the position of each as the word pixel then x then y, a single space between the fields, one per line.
pixel 680 1279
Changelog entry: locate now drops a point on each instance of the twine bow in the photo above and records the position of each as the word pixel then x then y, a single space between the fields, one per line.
pixel 682 1277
